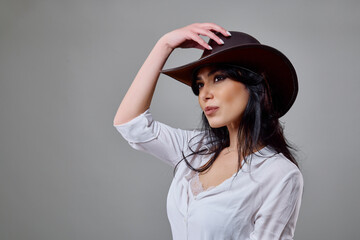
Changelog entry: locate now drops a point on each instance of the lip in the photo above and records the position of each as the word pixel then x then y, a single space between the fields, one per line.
pixel 210 110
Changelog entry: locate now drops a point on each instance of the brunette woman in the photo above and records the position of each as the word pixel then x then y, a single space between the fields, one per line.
pixel 236 178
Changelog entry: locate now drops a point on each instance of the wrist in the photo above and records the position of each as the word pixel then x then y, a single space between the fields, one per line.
pixel 164 44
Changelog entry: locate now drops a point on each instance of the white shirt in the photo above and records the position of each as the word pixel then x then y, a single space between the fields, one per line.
pixel 261 202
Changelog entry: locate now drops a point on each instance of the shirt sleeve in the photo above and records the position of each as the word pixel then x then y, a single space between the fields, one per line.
pixel 160 140
pixel 277 215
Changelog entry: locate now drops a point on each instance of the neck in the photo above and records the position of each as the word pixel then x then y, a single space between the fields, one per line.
pixel 233 137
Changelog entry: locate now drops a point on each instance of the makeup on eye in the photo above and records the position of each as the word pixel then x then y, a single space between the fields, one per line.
pixel 216 78
pixel 199 85
pixel 219 77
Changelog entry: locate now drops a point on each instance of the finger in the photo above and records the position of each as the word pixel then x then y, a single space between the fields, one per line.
pixel 195 37
pixel 217 28
pixel 211 35
pixel 199 47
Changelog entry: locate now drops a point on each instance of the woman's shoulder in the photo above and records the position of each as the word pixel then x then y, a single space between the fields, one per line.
pixel 280 163
pixel 145 124
pixel 275 166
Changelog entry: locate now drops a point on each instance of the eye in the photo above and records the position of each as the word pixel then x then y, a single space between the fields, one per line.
pixel 218 78
pixel 199 85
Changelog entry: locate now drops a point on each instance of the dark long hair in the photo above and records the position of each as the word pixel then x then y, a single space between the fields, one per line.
pixel 259 125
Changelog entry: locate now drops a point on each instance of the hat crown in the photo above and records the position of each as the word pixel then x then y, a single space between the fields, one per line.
pixel 235 40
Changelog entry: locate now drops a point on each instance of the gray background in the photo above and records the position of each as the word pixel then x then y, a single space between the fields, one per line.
pixel 66 173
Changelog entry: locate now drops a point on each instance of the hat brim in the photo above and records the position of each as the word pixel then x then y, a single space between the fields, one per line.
pixel 278 70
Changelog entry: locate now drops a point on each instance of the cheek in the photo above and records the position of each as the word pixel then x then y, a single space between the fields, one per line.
pixel 236 92
pixel 237 99
pixel 200 103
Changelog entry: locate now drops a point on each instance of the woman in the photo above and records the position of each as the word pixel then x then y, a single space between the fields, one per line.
pixel 236 178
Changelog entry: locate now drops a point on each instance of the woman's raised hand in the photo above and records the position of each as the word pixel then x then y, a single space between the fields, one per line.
pixel 189 36
pixel 140 93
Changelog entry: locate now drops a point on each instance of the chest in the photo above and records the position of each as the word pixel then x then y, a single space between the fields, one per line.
pixel 220 212
pixel 224 167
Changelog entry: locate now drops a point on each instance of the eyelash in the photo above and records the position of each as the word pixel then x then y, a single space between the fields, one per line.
pixel 222 77
pixel 219 77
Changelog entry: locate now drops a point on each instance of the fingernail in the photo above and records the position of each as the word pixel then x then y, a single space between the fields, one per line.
pixel 210 48
pixel 222 42
pixel 228 33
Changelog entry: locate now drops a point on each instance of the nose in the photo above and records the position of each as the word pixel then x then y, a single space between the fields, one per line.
pixel 206 92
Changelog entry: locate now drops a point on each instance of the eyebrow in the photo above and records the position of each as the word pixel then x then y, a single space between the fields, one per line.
pixel 209 74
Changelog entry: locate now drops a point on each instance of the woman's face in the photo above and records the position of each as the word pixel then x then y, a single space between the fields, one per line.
pixel 222 99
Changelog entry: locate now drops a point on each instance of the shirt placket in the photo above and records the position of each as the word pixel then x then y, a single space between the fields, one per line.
pixel 189 201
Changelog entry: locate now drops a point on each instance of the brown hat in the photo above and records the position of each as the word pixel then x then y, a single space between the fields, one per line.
pixel 245 51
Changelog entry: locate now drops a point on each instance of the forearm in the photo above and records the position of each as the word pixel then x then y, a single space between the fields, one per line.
pixel 138 97
pixel 140 93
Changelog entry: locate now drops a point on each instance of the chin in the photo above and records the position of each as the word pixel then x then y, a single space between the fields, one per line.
pixel 214 124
